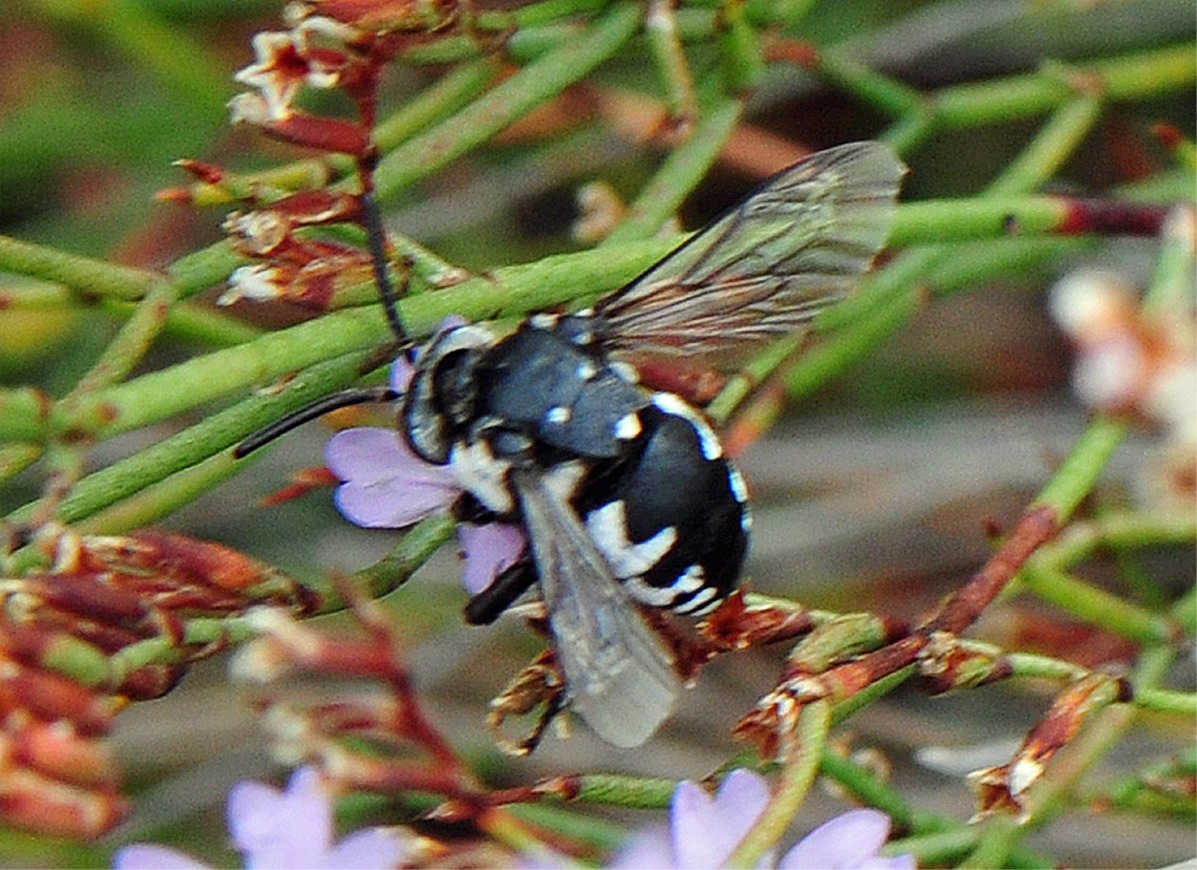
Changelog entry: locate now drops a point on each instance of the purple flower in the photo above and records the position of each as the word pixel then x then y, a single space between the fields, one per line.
pixel 274 829
pixel 705 830
pixel 850 840
pixel 385 485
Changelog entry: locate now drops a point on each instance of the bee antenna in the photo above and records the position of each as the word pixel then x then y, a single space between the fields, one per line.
pixel 318 408
pixel 376 241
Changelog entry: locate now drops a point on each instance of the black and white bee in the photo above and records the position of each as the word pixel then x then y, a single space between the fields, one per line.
pixel 625 494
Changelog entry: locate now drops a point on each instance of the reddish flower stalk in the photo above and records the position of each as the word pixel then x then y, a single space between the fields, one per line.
pixel 1004 787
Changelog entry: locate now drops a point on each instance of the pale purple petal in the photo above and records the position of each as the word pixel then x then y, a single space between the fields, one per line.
pixel 707 830
pixel 145 856
pixel 489 551
pixel 281 829
pixel 402 371
pixel 653 848
pixel 704 830
pixel 366 850
pixel 850 840
pixel 385 485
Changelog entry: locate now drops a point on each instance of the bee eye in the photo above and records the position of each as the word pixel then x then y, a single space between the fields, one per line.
pixel 455 386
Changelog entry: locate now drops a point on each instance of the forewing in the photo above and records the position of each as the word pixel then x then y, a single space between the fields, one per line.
pixel 619 674
pixel 768 265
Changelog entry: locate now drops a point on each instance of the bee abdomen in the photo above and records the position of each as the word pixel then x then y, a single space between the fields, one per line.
pixel 673 520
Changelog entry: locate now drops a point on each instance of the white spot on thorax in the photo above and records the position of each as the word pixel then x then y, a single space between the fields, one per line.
pixel 624 371
pixel 558 415
pixel 586 370
pixel 628 426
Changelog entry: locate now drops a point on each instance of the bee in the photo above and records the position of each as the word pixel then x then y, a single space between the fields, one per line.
pixel 624 493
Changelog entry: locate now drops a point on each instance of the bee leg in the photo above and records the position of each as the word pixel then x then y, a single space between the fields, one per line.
pixel 485 607
pixel 539 691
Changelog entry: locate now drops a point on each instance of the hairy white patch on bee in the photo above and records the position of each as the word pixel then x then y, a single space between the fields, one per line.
pixel 563 479
pixel 480 473
pixel 700 603
pixel 624 371
pixel 558 415
pixel 628 427
pixel 736 481
pixel 608 528
pixel 646 593
pixel 690 580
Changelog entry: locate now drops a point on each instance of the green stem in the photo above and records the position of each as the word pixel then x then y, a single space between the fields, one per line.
pixel 1052 145
pixel 682 170
pixel 130 344
pixel 530 87
pixel 1078 474
pixel 1132 76
pixel 169 52
pixel 888 95
pixel 197 443
pixel 84 275
pixel 164 393
pixel 797 774
pixel 1164 701
pixel 660 26
pixel 634 792
pixel 1093 605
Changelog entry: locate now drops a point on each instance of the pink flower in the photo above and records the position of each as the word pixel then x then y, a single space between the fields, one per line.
pixel 274 829
pixel 385 485
pixel 705 830
pixel 850 840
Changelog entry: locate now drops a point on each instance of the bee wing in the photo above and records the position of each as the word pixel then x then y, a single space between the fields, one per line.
pixel 619 674
pixel 769 264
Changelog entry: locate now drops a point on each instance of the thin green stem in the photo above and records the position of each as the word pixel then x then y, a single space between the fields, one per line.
pixel 413 549
pixel 886 94
pixel 82 274
pixel 164 393
pixel 660 26
pixel 682 170
pixel 796 775
pixel 1052 145
pixel 997 837
pixel 197 443
pixel 1164 701
pixel 1127 77
pixel 1094 605
pixel 1077 475
pixel 530 87
pixel 634 792
pixel 130 344
pixel 169 52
